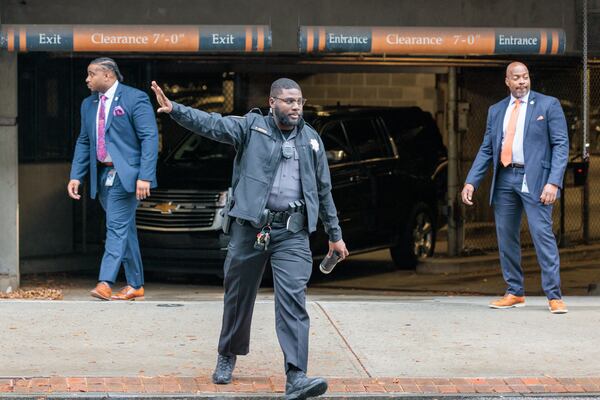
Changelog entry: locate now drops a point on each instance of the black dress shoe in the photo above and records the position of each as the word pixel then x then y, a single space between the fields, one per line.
pixel 300 387
pixel 224 369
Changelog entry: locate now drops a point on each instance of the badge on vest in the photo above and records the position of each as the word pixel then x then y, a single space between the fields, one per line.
pixel 314 144
pixel 287 150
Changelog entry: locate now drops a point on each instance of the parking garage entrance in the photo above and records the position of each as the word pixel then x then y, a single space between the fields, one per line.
pixel 51 87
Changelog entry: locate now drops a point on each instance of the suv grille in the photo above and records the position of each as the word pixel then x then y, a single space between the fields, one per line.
pixel 181 211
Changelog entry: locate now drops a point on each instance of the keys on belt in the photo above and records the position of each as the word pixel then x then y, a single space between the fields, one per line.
pixel 294 220
pixel 263 238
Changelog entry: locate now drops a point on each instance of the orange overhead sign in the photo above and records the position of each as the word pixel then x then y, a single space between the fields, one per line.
pixel 136 38
pixel 149 39
pixel 431 40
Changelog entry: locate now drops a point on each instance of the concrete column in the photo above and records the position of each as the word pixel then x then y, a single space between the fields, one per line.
pixel 454 226
pixel 9 168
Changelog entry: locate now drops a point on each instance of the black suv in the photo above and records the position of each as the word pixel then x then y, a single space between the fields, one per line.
pixel 385 165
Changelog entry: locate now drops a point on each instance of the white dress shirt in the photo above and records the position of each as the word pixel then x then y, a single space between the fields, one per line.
pixel 110 94
pixel 517 148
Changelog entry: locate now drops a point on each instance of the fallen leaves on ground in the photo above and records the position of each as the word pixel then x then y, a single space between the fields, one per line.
pixel 34 294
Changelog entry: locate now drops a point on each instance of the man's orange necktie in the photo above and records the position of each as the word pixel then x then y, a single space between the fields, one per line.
pixel 506 155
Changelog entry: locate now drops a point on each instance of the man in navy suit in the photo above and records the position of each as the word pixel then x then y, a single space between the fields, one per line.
pixel 118 145
pixel 527 143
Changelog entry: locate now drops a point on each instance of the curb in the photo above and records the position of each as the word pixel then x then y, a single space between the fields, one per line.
pixel 491 263
pixel 403 396
pixel 254 388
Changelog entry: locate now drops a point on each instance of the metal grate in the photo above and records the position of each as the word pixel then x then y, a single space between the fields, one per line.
pixel 184 196
pixel 181 210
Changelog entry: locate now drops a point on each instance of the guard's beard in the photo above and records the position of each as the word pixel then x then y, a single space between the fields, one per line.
pixel 284 119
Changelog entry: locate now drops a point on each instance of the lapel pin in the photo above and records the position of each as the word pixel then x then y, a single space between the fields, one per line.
pixel 531 102
pixel 117 99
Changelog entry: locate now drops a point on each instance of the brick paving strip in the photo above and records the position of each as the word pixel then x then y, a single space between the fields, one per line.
pixel 276 385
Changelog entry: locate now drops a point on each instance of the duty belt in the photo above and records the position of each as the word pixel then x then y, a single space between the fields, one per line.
pixel 272 217
pixel 278 217
pixel 296 212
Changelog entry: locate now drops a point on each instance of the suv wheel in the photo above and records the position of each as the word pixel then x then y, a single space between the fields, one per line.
pixel 416 240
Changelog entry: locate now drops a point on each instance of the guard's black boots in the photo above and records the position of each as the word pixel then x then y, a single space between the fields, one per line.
pixel 224 369
pixel 300 387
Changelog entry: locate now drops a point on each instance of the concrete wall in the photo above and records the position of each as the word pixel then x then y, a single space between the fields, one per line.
pixel 372 89
pixel 9 207
pixel 46 215
pixel 285 17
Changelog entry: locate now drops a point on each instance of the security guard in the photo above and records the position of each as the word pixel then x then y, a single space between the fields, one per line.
pixel 281 185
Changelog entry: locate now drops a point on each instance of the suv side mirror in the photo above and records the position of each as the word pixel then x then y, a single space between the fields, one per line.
pixel 336 156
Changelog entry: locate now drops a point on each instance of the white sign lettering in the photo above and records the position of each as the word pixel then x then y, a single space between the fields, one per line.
pixel 101 38
pixel 222 39
pixel 343 39
pixel 519 41
pixel 395 39
pixel 52 38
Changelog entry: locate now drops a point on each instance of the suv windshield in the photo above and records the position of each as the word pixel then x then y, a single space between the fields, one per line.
pixel 195 149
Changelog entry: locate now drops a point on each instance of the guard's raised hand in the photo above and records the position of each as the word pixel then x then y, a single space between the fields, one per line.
pixel 165 104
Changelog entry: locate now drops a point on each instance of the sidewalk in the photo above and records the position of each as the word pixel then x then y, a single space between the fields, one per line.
pixel 366 346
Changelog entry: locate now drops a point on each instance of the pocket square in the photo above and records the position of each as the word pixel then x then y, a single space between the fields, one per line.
pixel 541 117
pixel 118 111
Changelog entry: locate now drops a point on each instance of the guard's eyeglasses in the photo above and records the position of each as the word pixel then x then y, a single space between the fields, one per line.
pixel 290 101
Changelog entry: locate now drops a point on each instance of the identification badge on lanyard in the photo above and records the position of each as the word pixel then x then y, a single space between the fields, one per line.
pixel 110 178
pixel 524 187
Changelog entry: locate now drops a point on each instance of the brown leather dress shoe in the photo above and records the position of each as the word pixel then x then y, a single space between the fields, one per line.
pixel 509 301
pixel 102 291
pixel 129 293
pixel 557 306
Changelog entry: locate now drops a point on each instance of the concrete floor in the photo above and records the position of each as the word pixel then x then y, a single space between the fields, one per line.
pixel 367 274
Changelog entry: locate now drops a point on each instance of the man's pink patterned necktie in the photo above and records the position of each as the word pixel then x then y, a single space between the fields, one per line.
pixel 101 150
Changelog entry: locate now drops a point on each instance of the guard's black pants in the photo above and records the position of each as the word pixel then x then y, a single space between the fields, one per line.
pixel 291 262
